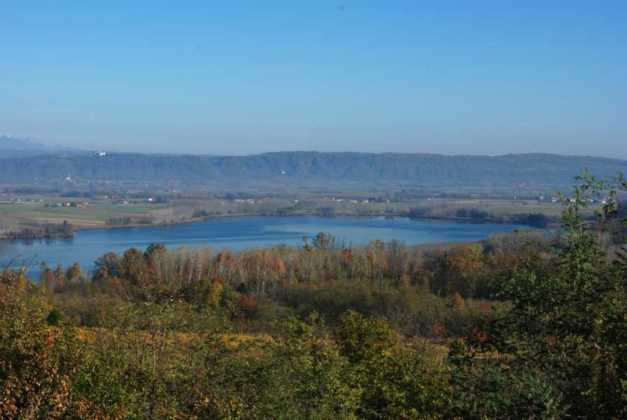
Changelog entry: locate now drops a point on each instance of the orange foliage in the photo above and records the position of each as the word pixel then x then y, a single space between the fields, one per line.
pixel 248 304
pixel 467 259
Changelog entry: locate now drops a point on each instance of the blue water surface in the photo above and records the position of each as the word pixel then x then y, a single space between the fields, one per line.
pixel 240 233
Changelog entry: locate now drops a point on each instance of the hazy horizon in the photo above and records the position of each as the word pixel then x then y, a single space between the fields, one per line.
pixel 476 79
pixel 61 147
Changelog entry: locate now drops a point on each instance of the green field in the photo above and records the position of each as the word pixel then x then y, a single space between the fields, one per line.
pixel 15 214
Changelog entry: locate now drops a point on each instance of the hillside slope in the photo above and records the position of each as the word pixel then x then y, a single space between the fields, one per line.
pixel 311 168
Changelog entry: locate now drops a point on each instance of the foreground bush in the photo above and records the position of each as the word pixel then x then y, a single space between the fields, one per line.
pixel 560 351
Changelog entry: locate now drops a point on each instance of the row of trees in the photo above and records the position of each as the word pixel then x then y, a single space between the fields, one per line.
pixel 466 269
pixel 536 220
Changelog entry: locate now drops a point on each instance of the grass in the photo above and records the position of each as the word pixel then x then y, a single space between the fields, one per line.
pixel 500 207
pixel 94 215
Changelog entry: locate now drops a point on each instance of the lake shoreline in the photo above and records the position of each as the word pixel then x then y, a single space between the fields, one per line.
pixel 241 233
pixel 28 235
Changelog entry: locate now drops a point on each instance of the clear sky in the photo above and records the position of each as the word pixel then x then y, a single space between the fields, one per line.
pixel 463 77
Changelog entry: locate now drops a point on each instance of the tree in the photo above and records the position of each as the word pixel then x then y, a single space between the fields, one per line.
pixel 323 241
pixel 47 278
pixel 563 340
pixel 133 271
pixel 154 250
pixel 262 269
pixel 37 363
pixel 74 273
pixel 393 379
pixel 377 264
pixel 106 266
pixel 458 270
pixel 59 276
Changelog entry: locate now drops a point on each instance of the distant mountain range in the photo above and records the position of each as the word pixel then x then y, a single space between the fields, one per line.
pixel 308 169
pixel 16 147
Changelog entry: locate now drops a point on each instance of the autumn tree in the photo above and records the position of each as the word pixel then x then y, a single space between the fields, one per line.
pixel 133 271
pixel 106 266
pixel 458 270
pixel 59 276
pixel 74 273
pixel 47 278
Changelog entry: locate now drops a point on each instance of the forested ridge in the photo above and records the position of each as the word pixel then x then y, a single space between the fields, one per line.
pixel 309 168
pixel 523 325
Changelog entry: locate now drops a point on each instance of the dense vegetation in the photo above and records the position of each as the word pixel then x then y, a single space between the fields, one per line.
pixel 309 168
pixel 520 326
pixel 474 215
pixel 35 230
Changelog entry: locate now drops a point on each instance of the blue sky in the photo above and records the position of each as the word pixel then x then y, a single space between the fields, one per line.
pixel 465 77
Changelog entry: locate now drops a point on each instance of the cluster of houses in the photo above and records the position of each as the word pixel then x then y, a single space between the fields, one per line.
pixel 555 199
pixel 356 201
pixel 122 201
pixel 73 204
pixel 125 202
pixel 244 200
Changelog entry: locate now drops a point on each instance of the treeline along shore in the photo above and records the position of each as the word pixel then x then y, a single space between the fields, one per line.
pixel 32 229
pixel 35 231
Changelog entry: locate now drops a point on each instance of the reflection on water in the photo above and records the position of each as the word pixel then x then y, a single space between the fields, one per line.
pixel 238 234
pixel 32 242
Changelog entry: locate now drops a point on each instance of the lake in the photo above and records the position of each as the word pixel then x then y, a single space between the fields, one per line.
pixel 239 233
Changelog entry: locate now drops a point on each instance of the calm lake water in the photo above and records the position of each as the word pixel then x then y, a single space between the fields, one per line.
pixel 241 233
